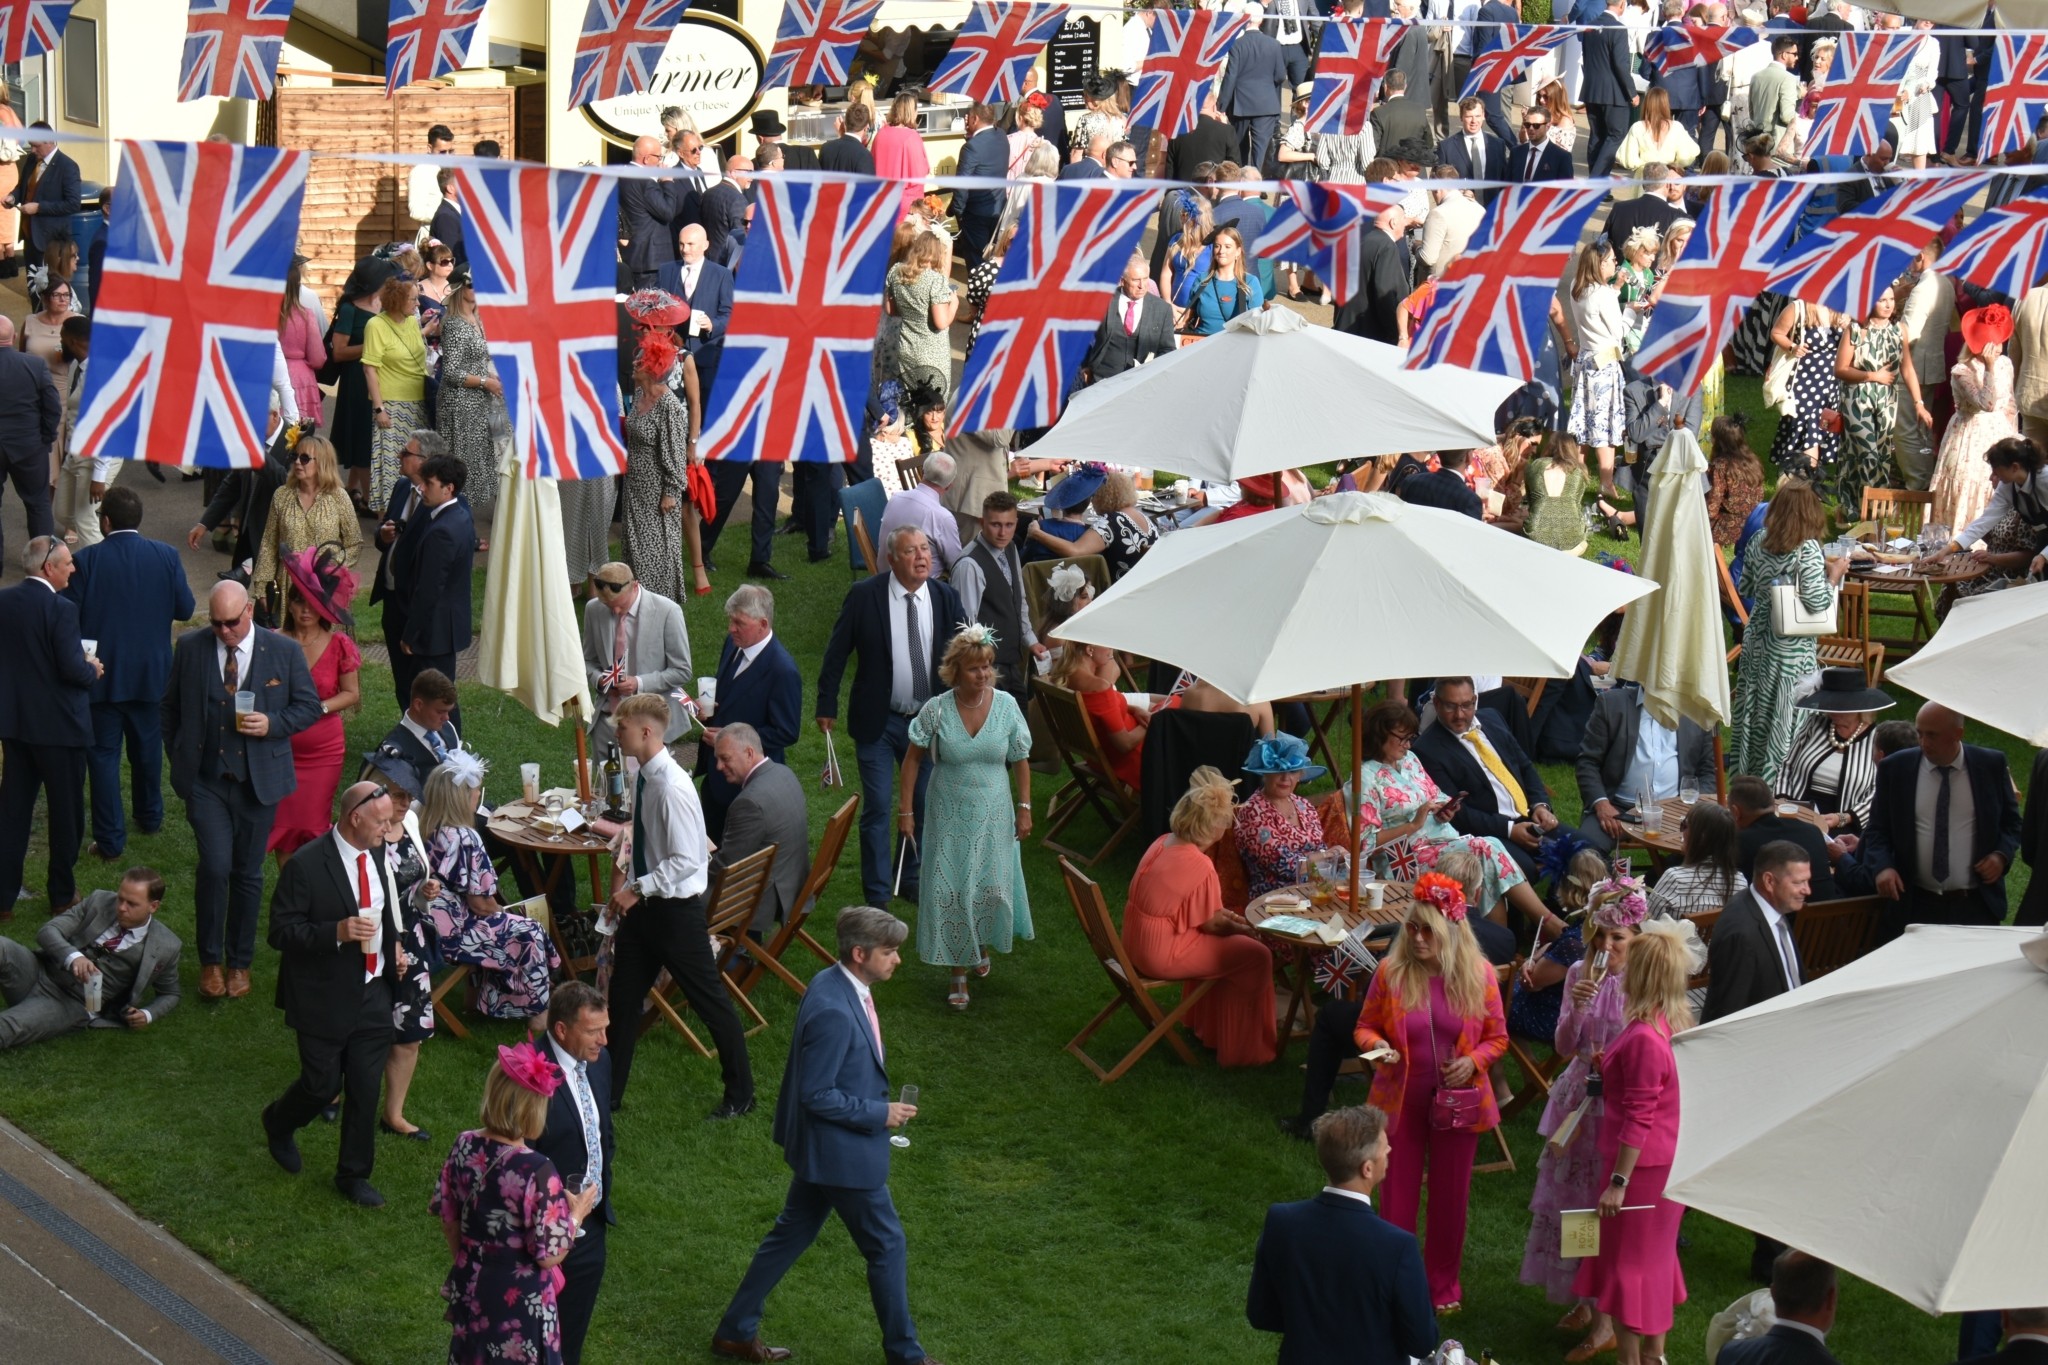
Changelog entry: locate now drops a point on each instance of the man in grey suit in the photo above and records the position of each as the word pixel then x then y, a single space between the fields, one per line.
pixel 1625 751
pixel 633 641
pixel 113 936
pixel 232 769
pixel 769 810
pixel 1254 87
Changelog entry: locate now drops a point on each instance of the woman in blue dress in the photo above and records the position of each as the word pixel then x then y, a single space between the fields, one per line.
pixel 1066 513
pixel 1227 290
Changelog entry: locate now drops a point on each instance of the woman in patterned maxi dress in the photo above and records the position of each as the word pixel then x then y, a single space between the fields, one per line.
pixel 660 440
pixel 1772 664
pixel 1870 357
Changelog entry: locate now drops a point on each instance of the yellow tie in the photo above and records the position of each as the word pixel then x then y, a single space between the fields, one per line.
pixel 1499 770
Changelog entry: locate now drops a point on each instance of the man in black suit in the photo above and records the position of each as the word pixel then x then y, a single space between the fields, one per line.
pixel 1399 116
pixel 404 516
pixel 1658 206
pixel 1332 1277
pixel 769 130
pixel 1445 487
pixel 1210 140
pixel 1092 163
pixel 1374 311
pixel 848 153
pixel 1472 151
pixel 424 735
pixel 1610 778
pixel 446 225
pixel 338 925
pixel 1803 1298
pixel 1944 828
pixel 1137 326
pixel 45 721
pixel 579 1139
pixel 51 194
pixel 1254 88
pixel 758 686
pixel 1756 818
pixel 1471 750
pixel 647 217
pixel 769 811
pixel 31 413
pixel 2033 846
pixel 725 206
pixel 1609 89
pixel 433 572
pixel 2026 1338
pixel 896 626
pixel 1536 157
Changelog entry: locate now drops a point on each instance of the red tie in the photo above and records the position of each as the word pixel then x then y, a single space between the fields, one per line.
pixel 363 902
pixel 875 1023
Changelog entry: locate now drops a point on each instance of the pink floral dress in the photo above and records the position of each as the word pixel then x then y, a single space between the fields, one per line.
pixel 1572 1179
pixel 512 956
pixel 1273 841
pixel 508 1206
pixel 1394 792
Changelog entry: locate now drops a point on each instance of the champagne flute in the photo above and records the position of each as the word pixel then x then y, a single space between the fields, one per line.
pixel 575 1186
pixel 907 1096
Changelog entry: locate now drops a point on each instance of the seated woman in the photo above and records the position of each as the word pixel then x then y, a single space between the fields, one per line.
pixel 1708 878
pixel 1832 762
pixel 511 956
pixel 1277 830
pixel 1119 532
pixel 1207 697
pixel 1539 988
pixel 1176 929
pixel 1067 590
pixel 1059 531
pixel 1092 673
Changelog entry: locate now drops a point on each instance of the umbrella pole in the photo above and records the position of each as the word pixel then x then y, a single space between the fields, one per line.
pixel 1357 781
pixel 1720 770
pixel 574 711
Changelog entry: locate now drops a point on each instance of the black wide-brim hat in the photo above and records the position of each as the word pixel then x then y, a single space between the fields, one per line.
pixel 1843 691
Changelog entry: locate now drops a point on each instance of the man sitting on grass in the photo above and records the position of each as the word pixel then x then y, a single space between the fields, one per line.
pixel 97 961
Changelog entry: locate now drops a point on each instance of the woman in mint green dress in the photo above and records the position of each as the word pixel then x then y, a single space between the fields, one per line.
pixel 971 897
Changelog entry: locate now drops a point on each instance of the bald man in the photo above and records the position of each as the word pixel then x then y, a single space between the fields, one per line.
pixel 648 210
pixel 237 695
pixel 700 281
pixel 726 205
pixel 1944 826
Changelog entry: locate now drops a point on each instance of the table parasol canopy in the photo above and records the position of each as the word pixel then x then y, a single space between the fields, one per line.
pixel 1672 645
pixel 1987 660
pixel 532 643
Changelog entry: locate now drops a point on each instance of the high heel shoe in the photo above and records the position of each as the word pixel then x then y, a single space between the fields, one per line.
pixel 704 591
pixel 1610 517
pixel 957 999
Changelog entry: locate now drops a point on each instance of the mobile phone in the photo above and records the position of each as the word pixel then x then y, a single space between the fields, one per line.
pixel 1452 806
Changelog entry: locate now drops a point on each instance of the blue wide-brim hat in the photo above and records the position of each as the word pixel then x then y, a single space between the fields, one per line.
pixel 1283 753
pixel 1075 489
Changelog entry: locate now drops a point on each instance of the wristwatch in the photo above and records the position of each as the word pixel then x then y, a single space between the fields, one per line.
pixel 1618 1180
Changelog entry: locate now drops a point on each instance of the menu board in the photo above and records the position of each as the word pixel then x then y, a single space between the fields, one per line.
pixel 1070 61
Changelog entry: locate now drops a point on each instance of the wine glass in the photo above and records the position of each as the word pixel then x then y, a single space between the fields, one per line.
pixel 575 1186
pixel 1689 793
pixel 907 1096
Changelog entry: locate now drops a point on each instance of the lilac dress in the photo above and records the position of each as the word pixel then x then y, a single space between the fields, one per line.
pixel 508 1206
pixel 513 957
pixel 1574 1178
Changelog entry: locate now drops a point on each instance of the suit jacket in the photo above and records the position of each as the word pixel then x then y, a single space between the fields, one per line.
pixel 1446 488
pixel 986 153
pixel 2015 1352
pixel 59 194
pixel 1774 827
pixel 1255 85
pixel 46 683
pixel 31 410
pixel 1781 1345
pixel 660 657
pixel 1453 151
pixel 832 1115
pixel 769 696
pixel 320 983
pixel 1400 119
pixel 770 810
pixel 1889 842
pixel 724 208
pixel 647 222
pixel 131 594
pixel 1412 58
pixel 1773 99
pixel 712 295
pixel 1340 1283
pixel 446 229
pixel 433 578
pixel 561 1141
pixel 1609 74
pixel 798 158
pixel 848 155
pixel 1645 210
pixel 1211 139
pixel 419 755
pixel 284 692
pixel 2034 844
pixel 1610 746
pixel 1087 168
pixel 404 509
pixel 1453 765
pixel 1552 162
pixel 1744 967
pixel 1116 350
pixel 92 919
pixel 863 629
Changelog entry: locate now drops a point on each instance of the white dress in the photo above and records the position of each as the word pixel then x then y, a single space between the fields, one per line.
pixel 1918 123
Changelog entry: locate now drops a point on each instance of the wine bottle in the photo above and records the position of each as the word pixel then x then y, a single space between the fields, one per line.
pixel 614 784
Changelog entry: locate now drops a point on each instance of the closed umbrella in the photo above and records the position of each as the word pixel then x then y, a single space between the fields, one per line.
pixel 1987 660
pixel 532 646
pixel 1890 1117
pixel 1272 391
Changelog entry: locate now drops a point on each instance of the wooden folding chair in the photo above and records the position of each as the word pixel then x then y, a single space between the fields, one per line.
pixel 858 529
pixel 1832 934
pixel 1530 690
pixel 729 905
pixel 535 909
pixel 768 957
pixel 1536 1076
pixel 1902 512
pixel 1851 645
pixel 1037 593
pixel 910 472
pixel 1732 600
pixel 1133 992
pixel 1704 923
pixel 1500 1131
pixel 1092 784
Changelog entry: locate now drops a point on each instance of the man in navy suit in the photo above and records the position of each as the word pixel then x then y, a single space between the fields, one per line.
pixel 45 720
pixel 1536 157
pixel 1944 828
pixel 1609 89
pixel 1455 753
pixel 1446 487
pixel 31 413
pixel 54 192
pixel 723 207
pixel 433 568
pixel 647 217
pixel 758 685
pixel 832 1121
pixel 446 226
pixel 707 287
pixel 578 1138
pixel 985 152
pixel 1254 87
pixel 1485 39
pixel 402 514
pixel 2026 1337
pixel 131 594
pixel 1336 1280
pixel 898 624
pixel 1472 151
pixel 1803 1299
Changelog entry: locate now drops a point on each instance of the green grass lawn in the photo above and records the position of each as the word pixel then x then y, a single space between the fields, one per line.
pixel 1051 1219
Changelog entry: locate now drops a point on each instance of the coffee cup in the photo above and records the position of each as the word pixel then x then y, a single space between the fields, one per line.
pixel 529 782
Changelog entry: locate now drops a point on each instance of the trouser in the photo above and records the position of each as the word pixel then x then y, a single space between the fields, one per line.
pixel 1955 113
pixel 1448 1158
pixel 30 474
pixel 661 932
pixel 582 1277
pixel 1590 831
pixel 57 771
pixel 1763 1252
pixel 646 279
pixel 1608 124
pixel 1296 57
pixel 37 1007
pixel 727 478
pixel 231 828
pixel 1921 906
pixel 976 231
pixel 351 1065
pixel 814 501
pixel 1571 67
pixel 1978 1335
pixel 1254 136
pixel 878 760
pixel 140 725
pixel 77 511
pixel 402 669
pixel 1330 1041
pixel 870 1219
pixel 1710 129
pixel 1689 119
pixel 1913 442
pixel 2035 426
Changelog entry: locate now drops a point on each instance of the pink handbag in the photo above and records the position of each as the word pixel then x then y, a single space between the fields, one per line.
pixel 1453 1108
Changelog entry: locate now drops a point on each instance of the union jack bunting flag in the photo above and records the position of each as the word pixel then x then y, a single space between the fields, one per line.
pixel 619 47
pixel 2006 249
pixel 231 48
pixel 2017 94
pixel 1355 54
pixel 185 314
pixel 1741 234
pixel 794 381
pixel 995 49
pixel 1319 224
pixel 816 41
pixel 1492 309
pixel 1856 104
pixel 1683 45
pixel 1848 263
pixel 425 39
pixel 1520 44
pixel 543 251
pixel 29 28
pixel 1188 48
pixel 1073 242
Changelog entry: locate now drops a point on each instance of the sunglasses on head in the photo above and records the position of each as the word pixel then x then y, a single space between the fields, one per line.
pixel 606 585
pixel 368 797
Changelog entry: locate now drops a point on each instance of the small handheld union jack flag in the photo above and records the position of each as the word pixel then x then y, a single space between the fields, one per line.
pixel 816 41
pixel 1520 44
pixel 231 48
pixel 29 28
pixel 1188 48
pixel 619 47
pixel 1848 263
pixel 1355 54
pixel 1856 103
pixel 427 39
pixel 185 315
pixel 1683 45
pixel 1318 225
pixel 2017 95
pixel 2006 249
pixel 1336 973
pixel 995 49
pixel 1397 862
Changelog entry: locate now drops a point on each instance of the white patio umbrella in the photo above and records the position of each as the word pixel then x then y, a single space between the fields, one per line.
pixel 1273 391
pixel 532 644
pixel 1987 660
pixel 1891 1117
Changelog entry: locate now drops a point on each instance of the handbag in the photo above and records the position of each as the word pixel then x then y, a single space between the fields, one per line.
pixel 330 371
pixel 1453 1108
pixel 1790 615
pixel 1778 376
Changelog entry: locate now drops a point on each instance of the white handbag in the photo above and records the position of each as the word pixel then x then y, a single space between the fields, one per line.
pixel 1778 374
pixel 1791 616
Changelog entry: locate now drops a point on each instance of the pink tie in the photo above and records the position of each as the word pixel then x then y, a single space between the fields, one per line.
pixel 875 1023
pixel 1131 317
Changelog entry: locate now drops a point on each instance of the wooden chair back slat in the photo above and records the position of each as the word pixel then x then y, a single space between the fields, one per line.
pixel 1832 934
pixel 1133 991
pixel 1897 511
pixel 768 957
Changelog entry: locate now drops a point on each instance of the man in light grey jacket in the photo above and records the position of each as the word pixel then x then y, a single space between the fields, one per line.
pixel 1774 92
pixel 109 945
pixel 769 810
pixel 633 641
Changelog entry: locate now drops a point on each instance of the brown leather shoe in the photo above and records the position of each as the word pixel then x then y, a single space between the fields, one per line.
pixel 238 982
pixel 212 984
pixel 756 1349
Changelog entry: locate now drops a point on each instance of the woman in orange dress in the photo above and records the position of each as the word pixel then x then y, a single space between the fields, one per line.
pixel 1176 929
pixel 1091 672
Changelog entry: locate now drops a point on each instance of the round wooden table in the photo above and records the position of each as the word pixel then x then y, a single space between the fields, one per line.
pixel 543 853
pixel 1919 583
pixel 1392 910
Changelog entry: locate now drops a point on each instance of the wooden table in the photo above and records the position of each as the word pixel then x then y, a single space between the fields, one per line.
pixel 544 853
pixel 1919 584
pixel 1392 910
pixel 1666 842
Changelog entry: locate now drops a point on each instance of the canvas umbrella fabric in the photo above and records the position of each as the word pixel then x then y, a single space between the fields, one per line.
pixel 1890 1117
pixel 532 645
pixel 1272 391
pixel 1987 660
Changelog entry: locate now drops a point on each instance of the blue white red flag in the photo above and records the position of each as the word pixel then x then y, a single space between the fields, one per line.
pixel 1741 234
pixel 1354 55
pixel 619 47
pixel 231 48
pixel 427 39
pixel 1188 48
pixel 1319 225
pixel 1851 260
pixel 816 41
pixel 2006 249
pixel 1520 44
pixel 995 49
pixel 2017 96
pixel 29 28
pixel 1681 45
pixel 1856 103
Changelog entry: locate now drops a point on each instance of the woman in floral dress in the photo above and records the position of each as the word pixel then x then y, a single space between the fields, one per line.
pixel 1804 446
pixel 661 440
pixel 510 956
pixel 922 304
pixel 1276 829
pixel 508 1222
pixel 1985 415
pixel 470 396
pixel 1772 664
pixel 1868 359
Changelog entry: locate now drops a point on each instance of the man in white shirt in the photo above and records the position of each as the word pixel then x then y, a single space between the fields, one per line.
pixel 422 190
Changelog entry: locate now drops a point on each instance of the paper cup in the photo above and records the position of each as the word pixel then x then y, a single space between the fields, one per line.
pixel 707 696
pixel 529 782
pixel 92 648
pixel 1375 895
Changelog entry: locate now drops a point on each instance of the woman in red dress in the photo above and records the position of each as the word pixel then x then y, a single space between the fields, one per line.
pixel 1091 673
pixel 1176 929
pixel 319 588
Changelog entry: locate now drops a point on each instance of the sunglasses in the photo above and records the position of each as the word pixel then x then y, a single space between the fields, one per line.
pixel 606 585
pixel 368 797
pixel 302 459
pixel 230 625
pixel 56 544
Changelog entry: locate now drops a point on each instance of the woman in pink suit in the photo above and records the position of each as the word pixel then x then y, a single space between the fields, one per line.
pixel 1435 1005
pixel 899 149
pixel 1635 1279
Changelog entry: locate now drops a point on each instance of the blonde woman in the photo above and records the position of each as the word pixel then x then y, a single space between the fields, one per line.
pixel 1030 117
pixel 1187 254
pixel 309 510
pixel 899 149
pixel 395 371
pixel 1599 417
pixel 1656 137
pixel 923 303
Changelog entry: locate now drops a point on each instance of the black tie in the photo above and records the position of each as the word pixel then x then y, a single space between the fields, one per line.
pixel 1939 870
pixel 920 656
